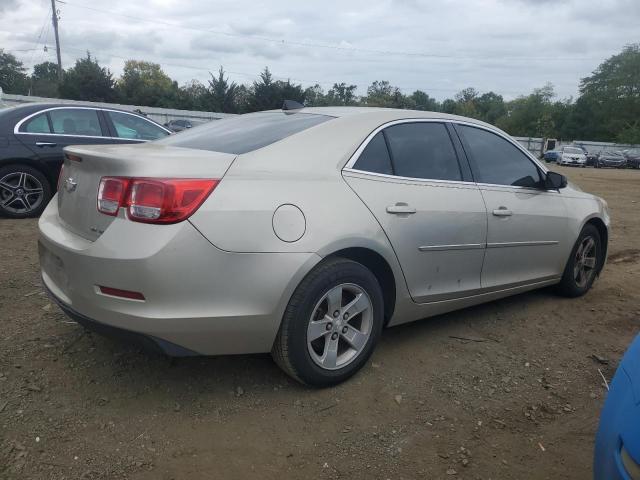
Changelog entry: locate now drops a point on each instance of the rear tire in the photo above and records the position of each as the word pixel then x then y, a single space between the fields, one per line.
pixel 314 325
pixel 24 191
pixel 583 265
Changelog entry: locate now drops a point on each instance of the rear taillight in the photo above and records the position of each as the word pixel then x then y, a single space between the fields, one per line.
pixel 153 200
pixel 111 194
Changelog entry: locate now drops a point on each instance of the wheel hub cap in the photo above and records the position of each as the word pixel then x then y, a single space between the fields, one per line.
pixel 585 262
pixel 336 339
pixel 20 193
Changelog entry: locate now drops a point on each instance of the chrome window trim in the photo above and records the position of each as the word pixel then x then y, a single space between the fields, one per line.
pixel 406 179
pixel 356 155
pixel 16 128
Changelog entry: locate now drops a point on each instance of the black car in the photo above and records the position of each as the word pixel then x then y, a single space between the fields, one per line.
pixel 32 137
pixel 180 125
pixel 610 158
pixel 633 157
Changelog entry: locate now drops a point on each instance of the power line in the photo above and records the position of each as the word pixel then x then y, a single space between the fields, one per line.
pixel 284 42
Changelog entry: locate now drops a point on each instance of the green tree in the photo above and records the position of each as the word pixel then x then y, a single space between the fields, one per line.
pixel 612 96
pixel 422 101
pixel 466 102
pixel 530 115
pixel 342 94
pixel 490 107
pixel 382 94
pixel 222 94
pixel 315 97
pixel 144 83
pixel 12 74
pixel 264 93
pixel 267 93
pixel 44 80
pixel 87 80
pixel 192 96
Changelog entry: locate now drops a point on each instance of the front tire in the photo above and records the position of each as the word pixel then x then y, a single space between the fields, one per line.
pixel 24 191
pixel 583 265
pixel 331 325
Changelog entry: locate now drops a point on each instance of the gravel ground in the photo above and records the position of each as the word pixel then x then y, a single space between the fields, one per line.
pixel 506 390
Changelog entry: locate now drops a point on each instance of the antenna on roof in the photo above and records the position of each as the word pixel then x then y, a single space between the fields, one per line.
pixel 291 105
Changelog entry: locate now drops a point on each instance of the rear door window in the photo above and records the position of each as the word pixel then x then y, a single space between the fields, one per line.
pixel 245 133
pixel 423 150
pixel 76 121
pixel 38 124
pixel 375 157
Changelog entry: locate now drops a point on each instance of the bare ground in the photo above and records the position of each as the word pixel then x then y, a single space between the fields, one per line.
pixel 507 390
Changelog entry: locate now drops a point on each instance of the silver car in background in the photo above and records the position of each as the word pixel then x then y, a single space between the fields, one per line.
pixel 305 232
pixel 572 156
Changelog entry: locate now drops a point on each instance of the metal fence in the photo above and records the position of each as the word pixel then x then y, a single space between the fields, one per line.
pixel 534 145
pixel 160 115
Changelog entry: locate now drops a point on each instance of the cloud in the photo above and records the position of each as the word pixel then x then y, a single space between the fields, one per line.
pixel 508 46
pixel 8 4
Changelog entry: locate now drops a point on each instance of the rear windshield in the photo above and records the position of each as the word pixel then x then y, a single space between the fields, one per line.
pixel 244 133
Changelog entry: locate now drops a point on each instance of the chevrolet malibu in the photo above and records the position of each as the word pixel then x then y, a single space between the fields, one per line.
pixel 305 232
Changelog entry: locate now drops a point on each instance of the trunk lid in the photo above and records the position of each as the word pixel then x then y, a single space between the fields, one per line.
pixel 84 166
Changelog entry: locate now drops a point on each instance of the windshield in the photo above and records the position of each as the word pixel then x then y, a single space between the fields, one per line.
pixel 244 133
pixel 572 150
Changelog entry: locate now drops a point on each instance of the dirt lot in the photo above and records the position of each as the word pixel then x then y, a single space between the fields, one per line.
pixel 520 401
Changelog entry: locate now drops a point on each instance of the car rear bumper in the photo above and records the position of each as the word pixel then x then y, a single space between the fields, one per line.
pixel 147 342
pixel 198 299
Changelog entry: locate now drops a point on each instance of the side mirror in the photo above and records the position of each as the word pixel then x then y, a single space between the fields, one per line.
pixel 555 181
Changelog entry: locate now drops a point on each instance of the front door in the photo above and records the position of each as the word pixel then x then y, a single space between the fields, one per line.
pixel 410 178
pixel 527 225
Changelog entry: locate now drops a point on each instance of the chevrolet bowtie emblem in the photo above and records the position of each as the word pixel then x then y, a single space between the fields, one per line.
pixel 70 184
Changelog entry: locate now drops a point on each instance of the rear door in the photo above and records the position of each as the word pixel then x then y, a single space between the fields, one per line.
pixel 48 132
pixel 410 177
pixel 527 224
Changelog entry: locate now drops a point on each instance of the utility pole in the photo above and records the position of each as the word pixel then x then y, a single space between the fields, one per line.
pixel 54 19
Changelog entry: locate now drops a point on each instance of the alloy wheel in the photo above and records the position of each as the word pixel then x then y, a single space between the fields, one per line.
pixel 20 193
pixel 340 326
pixel 585 262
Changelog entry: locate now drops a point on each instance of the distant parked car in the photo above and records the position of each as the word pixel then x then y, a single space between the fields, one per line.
pixel 572 156
pixel 592 158
pixel 617 448
pixel 632 156
pixel 552 156
pixel 32 138
pixel 609 158
pixel 180 125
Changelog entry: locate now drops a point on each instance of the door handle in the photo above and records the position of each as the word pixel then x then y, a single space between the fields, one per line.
pixel 45 144
pixel 400 208
pixel 502 212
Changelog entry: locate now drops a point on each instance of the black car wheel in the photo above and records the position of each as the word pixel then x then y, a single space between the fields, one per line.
pixel 24 191
pixel 583 264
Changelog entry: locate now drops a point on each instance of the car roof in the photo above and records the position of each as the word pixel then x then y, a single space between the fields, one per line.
pixel 385 114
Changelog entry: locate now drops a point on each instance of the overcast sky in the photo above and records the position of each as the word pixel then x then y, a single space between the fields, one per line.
pixel 439 46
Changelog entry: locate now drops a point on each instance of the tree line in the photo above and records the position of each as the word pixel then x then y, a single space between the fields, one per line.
pixel 606 109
